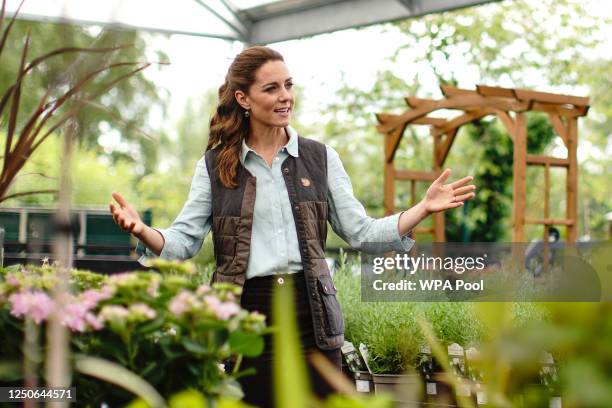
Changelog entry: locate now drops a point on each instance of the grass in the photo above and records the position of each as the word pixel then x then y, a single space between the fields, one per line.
pixel 392 334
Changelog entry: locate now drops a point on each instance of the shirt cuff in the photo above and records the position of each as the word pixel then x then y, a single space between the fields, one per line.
pixel 400 243
pixel 147 256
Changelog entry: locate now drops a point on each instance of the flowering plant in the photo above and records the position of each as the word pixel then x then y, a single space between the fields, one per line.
pixel 165 325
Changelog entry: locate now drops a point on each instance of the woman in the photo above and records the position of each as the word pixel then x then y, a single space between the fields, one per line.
pixel 267 195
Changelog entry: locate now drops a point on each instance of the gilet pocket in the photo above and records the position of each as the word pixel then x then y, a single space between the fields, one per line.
pixel 333 314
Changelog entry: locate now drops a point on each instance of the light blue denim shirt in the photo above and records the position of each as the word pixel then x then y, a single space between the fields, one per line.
pixel 274 242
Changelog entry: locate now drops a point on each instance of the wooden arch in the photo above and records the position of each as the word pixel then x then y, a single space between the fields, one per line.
pixel 509 105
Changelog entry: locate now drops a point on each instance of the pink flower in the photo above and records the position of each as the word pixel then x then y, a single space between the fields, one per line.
pixel 181 303
pixel 202 289
pixel 108 291
pixel 227 310
pixel 36 305
pixel 140 311
pixel 90 298
pixel 223 310
pixel 212 302
pixel 114 314
pixel 74 316
pixel 153 287
pixel 12 280
pixel 93 321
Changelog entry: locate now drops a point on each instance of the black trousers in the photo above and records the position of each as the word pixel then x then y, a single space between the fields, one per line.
pixel 257 295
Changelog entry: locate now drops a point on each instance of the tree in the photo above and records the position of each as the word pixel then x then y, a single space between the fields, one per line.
pixel 511 44
pixel 125 109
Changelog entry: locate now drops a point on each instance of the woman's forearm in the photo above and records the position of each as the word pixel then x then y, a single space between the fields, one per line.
pixel 411 218
pixel 152 239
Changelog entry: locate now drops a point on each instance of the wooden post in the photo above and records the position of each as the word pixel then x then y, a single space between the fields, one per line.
pixel 572 179
pixel 438 218
pixel 389 179
pixel 413 201
pixel 520 167
pixel 563 111
pixel 546 250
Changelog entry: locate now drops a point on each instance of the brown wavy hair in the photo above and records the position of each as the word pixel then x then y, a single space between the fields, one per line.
pixel 228 125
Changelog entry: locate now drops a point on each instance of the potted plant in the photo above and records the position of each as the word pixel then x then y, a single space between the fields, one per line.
pixel 394 339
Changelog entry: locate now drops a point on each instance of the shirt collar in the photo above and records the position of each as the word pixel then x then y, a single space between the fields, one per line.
pixel 291 146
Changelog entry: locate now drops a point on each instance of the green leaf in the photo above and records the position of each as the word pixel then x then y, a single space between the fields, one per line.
pixel 148 368
pixel 229 388
pixel 116 374
pixel 151 326
pixel 248 344
pixel 245 372
pixel 193 347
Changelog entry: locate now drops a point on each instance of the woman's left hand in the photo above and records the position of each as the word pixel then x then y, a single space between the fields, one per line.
pixel 441 197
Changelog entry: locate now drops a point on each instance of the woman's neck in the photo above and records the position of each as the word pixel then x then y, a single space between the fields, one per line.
pixel 266 139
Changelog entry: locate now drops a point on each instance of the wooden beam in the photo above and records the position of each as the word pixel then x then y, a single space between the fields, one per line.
pixel 425 120
pixel 568 111
pixel 507 121
pixel 393 141
pixel 457 102
pixel 549 221
pixel 444 148
pixel 415 102
pixel 572 180
pixel 422 230
pixel 429 121
pixel 460 121
pixel 559 127
pixel 448 91
pixel 519 181
pixel 546 216
pixel 495 91
pixel 539 160
pixel 413 201
pixel 546 190
pixel 527 94
pixel 416 175
pixel 438 218
pixel 384 117
pixel 389 178
pixel 522 94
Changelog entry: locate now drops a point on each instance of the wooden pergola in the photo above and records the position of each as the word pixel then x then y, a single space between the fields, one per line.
pixel 509 105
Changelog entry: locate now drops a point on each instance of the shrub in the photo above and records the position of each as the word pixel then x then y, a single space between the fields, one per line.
pixel 390 329
pixel 166 326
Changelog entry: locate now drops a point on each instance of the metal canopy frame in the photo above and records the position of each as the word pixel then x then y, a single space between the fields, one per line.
pixel 509 105
pixel 275 21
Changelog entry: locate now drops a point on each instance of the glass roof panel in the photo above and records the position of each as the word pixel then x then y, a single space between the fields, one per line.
pixel 183 16
pixel 246 4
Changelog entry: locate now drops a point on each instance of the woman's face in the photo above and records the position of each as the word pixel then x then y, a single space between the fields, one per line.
pixel 270 98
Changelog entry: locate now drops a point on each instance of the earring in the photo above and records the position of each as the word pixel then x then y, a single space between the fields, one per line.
pixel 246 113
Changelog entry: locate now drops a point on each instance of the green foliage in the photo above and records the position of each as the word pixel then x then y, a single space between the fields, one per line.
pixel 391 330
pixel 545 46
pixel 577 335
pixel 487 214
pixel 123 112
pixel 168 327
pixel 93 179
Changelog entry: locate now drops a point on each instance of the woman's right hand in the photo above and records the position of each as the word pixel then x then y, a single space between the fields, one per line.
pixel 126 216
